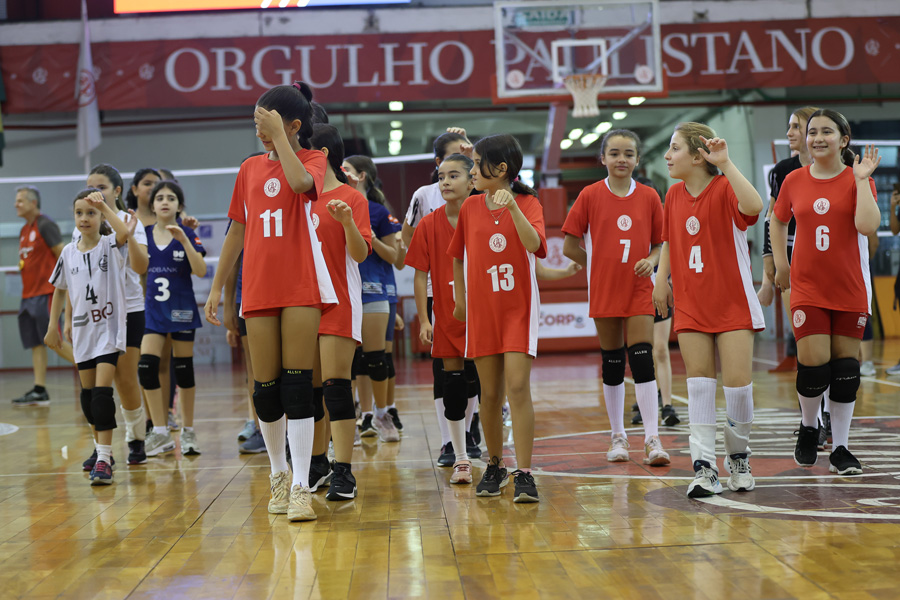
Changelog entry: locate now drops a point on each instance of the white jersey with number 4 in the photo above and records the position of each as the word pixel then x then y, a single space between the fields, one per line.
pixel 95 281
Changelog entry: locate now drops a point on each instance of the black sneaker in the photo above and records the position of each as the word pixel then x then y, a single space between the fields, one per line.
pixel 33 398
pixel 669 416
pixel 343 483
pixel 319 470
pixel 474 430
pixel 88 465
pixel 136 454
pixel 844 463
pixel 448 456
pixel 823 438
pixel 472 449
pixel 367 429
pixel 637 419
pixel 526 490
pixel 495 477
pixel 805 451
pixel 635 407
pixel 395 417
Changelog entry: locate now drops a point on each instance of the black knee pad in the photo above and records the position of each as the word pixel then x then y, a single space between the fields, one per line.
pixel 437 370
pixel 455 399
pixel 844 380
pixel 389 361
pixel 640 357
pixel 184 371
pixel 103 408
pixel 267 400
pixel 86 397
pixel 376 367
pixel 318 404
pixel 339 399
pixel 148 372
pixel 297 393
pixel 613 368
pixel 472 380
pixel 813 381
pixel 357 367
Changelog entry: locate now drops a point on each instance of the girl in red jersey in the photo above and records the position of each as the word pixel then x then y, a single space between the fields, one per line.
pixel 705 250
pixel 620 221
pixel 447 336
pixel 342 223
pixel 272 224
pixel 833 202
pixel 498 235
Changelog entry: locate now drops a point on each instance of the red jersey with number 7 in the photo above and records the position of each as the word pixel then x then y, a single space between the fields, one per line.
pixel 830 263
pixel 710 261
pixel 502 301
pixel 283 262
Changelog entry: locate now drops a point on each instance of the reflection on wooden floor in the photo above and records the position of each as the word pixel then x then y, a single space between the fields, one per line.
pixel 198 527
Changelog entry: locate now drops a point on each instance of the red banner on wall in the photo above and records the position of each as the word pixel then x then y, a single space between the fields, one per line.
pixel 433 65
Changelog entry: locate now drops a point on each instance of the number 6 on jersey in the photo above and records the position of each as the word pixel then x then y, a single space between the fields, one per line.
pixel 695 261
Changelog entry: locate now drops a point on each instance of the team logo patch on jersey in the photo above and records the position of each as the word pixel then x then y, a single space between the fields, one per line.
pixel 693 225
pixel 315 220
pixel 821 206
pixel 800 318
pixel 104 263
pixel 497 242
pixel 32 235
pixel 272 187
pixel 624 222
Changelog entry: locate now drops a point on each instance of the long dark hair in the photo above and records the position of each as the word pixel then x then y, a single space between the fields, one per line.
pixel 327 136
pixel 847 155
pixel 364 164
pixel 111 173
pixel 502 148
pixel 105 228
pixel 292 102
pixel 130 197
pixel 176 189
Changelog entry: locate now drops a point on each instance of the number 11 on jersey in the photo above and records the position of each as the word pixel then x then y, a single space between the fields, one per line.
pixel 267 228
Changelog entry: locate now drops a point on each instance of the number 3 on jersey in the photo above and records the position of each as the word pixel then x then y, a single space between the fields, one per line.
pixel 502 277
pixel 695 261
pixel 267 227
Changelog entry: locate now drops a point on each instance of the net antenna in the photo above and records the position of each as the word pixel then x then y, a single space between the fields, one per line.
pixel 584 87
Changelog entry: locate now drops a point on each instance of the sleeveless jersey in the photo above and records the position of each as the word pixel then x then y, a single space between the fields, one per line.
pixel 710 261
pixel 502 300
pixel 374 270
pixel 171 305
pixel 95 281
pixel 617 233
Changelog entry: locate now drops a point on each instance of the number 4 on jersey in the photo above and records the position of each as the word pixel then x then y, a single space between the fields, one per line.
pixel 695 261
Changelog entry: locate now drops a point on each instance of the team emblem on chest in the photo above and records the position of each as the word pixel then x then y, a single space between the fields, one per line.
pixel 315 220
pixel 32 236
pixel 821 206
pixel 272 187
pixel 692 225
pixel 497 242
pixel 624 222
pixel 178 255
pixel 104 263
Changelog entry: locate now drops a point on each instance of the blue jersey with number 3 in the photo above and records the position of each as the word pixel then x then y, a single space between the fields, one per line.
pixel 170 304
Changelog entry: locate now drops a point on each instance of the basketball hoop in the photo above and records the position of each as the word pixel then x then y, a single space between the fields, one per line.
pixel 584 89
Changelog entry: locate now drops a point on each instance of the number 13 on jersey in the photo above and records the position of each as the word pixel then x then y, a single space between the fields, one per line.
pixel 502 277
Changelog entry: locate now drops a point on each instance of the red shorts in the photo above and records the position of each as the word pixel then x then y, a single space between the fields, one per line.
pixel 274 312
pixel 812 320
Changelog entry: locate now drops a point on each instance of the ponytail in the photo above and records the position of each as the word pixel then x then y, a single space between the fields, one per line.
pixel 327 136
pixel 520 188
pixel 502 148
pixel 364 164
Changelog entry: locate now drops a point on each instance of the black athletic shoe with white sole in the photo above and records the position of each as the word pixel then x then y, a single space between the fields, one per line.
pixel 343 483
pixel 494 478
pixel 525 488
pixel 805 452
pixel 319 470
pixel 474 430
pixel 844 463
pixel 448 456
pixel 472 449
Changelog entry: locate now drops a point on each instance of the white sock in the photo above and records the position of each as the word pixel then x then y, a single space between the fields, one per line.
pixel 819 416
pixel 471 409
pixel 135 424
pixel 104 453
pixel 391 405
pixel 442 420
pixel 187 428
pixel 809 410
pixel 826 397
pixel 458 437
pixel 273 435
pixel 739 403
pixel 300 433
pixel 161 430
pixel 702 400
pixel 380 412
pixel 647 403
pixel 841 414
pixel 614 395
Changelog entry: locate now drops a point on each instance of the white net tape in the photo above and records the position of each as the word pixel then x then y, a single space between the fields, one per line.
pixel 584 90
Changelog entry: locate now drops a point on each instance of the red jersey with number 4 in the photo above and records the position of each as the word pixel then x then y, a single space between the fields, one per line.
pixel 502 301
pixel 428 252
pixel 344 319
pixel 283 262
pixel 830 263
pixel 710 262
pixel 617 233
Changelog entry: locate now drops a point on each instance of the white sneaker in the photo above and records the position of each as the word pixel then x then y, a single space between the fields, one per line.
pixel 384 425
pixel 189 446
pixel 867 369
pixel 300 506
pixel 706 481
pixel 655 456
pixel 156 444
pixel 740 479
pixel 618 448
pixel 280 486
pixel 895 370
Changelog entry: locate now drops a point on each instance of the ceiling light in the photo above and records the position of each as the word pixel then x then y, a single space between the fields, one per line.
pixel 603 127
pixel 576 133
pixel 566 144
pixel 396 135
pixel 394 148
pixel 618 116
pixel 396 124
pixel 636 100
pixel 395 106
pixel 590 139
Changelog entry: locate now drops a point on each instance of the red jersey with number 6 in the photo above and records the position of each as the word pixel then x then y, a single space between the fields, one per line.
pixel 428 252
pixel 502 301
pixel 617 233
pixel 709 259
pixel 283 262
pixel 345 319
pixel 830 263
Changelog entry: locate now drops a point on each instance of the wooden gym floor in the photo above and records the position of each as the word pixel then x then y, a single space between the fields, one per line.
pixel 198 527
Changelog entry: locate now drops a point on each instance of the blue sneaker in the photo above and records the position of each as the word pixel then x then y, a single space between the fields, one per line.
pixel 254 444
pixel 248 431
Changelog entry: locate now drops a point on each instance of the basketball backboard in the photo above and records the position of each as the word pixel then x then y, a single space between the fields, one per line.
pixel 539 42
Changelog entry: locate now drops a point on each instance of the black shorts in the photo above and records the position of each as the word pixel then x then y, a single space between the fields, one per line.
pixel 134 329
pixel 659 319
pixel 34 320
pixel 242 324
pixel 179 336
pixel 112 359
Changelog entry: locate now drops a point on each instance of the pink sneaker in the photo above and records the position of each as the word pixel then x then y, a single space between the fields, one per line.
pixel 384 425
pixel 462 472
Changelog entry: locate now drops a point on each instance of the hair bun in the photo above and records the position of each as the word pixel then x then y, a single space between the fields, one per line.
pixel 304 89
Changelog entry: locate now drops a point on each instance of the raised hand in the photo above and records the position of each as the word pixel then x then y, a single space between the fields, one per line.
pixel 177 233
pixel 504 198
pixel 458 130
pixel 190 221
pixel 718 150
pixel 863 168
pixel 341 211
pixel 268 122
pixel 131 222
pixel 96 200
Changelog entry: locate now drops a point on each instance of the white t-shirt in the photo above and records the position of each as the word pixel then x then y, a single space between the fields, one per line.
pixel 425 201
pixel 134 293
pixel 95 282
